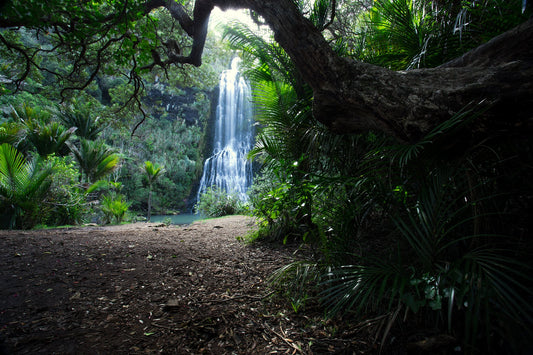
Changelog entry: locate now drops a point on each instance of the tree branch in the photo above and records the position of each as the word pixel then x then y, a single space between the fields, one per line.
pixel 332 17
pixel 512 45
pixel 178 12
pixel 196 28
pixel 351 96
pixel 27 59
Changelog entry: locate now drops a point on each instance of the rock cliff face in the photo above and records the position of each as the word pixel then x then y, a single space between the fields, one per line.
pixel 184 104
pixel 195 107
pixel 206 146
pixel 163 101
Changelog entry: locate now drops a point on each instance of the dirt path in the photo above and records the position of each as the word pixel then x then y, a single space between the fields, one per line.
pixel 144 288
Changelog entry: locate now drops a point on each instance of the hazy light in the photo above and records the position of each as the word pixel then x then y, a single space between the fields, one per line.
pixel 219 18
pixel 223 17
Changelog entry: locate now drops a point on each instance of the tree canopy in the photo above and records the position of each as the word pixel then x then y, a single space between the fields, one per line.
pixel 349 95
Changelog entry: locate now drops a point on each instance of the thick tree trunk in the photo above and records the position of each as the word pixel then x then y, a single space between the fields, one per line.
pixel 350 96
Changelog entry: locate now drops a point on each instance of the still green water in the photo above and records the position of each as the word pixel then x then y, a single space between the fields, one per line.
pixel 184 218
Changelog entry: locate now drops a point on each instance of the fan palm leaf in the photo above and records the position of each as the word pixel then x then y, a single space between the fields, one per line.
pixel 86 125
pixel 48 138
pixel 23 186
pixel 14 171
pixel 95 159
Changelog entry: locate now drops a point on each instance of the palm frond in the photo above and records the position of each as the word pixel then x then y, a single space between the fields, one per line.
pixel 364 286
pixel 296 281
pixel 14 172
pixel 272 57
pixel 23 184
pixel 95 159
pixel 403 154
pixel 153 171
pixel 85 124
pixel 48 138
pixel 321 13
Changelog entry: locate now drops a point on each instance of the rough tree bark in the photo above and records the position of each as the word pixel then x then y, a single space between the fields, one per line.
pixel 351 96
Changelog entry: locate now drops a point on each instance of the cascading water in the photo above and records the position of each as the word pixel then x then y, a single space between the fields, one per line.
pixel 228 168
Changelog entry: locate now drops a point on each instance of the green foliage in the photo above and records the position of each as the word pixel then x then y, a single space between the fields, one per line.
pixel 82 119
pixel 321 14
pixel 282 209
pixel 217 203
pixel 297 281
pixel 174 145
pixel 24 186
pixel 48 138
pixel 444 263
pixel 152 172
pixel 66 200
pixel 415 227
pixel 66 54
pixel 102 57
pixel 95 159
pixel 275 65
pixel 22 99
pixel 282 143
pixel 400 32
pixel 407 34
pixel 114 208
pixel 10 132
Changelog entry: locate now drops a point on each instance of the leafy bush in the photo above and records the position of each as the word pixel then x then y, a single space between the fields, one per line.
pixel 24 185
pixel 95 159
pixel 450 265
pixel 66 201
pixel 430 229
pixel 217 203
pixel 114 208
pixel 282 209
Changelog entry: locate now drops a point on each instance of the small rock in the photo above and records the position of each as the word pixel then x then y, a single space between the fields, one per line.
pixel 171 305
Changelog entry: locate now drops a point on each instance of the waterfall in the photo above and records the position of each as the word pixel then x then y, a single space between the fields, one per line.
pixel 227 167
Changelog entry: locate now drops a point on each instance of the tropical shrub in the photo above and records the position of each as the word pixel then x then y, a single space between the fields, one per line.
pixel 215 202
pixel 48 138
pixel 39 132
pixel 282 209
pixel 114 208
pixel 82 119
pixel 430 229
pixel 24 186
pixel 10 132
pixel 95 159
pixel 66 200
pixel 450 263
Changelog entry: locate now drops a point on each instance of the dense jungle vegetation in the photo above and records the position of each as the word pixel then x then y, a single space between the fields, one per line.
pixel 85 144
pixel 429 234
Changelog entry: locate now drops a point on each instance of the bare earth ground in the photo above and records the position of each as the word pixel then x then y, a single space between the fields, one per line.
pixel 146 288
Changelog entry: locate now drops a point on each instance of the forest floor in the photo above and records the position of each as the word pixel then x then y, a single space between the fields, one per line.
pixel 146 288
